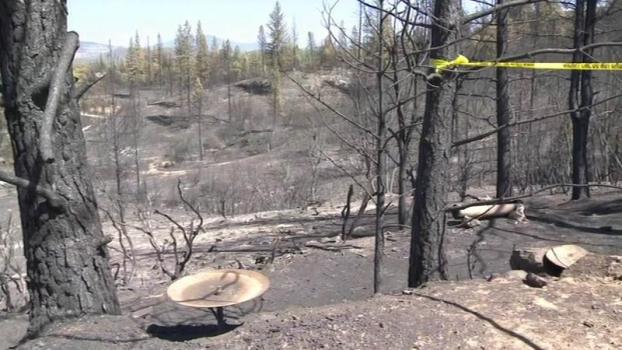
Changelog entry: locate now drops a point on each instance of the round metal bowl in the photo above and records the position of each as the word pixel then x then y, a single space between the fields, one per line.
pixel 218 288
pixel 565 255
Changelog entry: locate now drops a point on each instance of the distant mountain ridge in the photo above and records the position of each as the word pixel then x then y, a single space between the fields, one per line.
pixel 90 50
pixel 244 47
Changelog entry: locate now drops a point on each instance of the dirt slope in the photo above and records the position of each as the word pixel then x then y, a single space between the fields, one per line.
pixel 501 314
pixel 323 298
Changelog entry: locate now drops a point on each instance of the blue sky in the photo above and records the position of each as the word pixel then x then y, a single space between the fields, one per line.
pixel 237 20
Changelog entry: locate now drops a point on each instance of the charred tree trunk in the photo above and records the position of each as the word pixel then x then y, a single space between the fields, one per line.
pixel 427 257
pixel 114 138
pixel 504 157
pixel 345 213
pixel 67 258
pixel 229 90
pixel 200 126
pixel 532 156
pixel 403 207
pixel 381 158
pixel 578 173
pixel 403 137
pixel 580 128
pixel 136 139
pixel 587 93
pixel 581 96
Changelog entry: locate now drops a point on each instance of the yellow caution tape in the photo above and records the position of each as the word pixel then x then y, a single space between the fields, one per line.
pixel 462 61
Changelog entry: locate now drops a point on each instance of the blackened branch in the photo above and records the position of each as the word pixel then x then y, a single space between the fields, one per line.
pixel 56 90
pixel 86 87
pixel 53 199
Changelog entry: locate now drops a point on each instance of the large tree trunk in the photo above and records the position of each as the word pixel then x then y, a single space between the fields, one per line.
pixel 581 96
pixel 504 158
pixel 67 260
pixel 427 257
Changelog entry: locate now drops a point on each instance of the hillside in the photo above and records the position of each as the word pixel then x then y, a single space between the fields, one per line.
pixel 264 209
pixel 419 175
pixel 90 51
pixel 273 165
pixel 332 305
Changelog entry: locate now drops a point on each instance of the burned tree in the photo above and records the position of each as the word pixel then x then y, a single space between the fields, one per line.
pixel 427 260
pixel 65 249
pixel 381 156
pixel 504 165
pixel 581 95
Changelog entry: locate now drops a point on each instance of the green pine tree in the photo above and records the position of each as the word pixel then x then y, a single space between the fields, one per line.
pixel 134 62
pixel 278 37
pixel 263 48
pixel 202 56
pixel 159 62
pixel 184 58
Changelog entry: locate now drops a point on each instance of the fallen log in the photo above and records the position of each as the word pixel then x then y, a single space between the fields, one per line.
pixel 471 215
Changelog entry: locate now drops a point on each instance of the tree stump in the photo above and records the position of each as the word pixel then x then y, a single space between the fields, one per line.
pixel 528 259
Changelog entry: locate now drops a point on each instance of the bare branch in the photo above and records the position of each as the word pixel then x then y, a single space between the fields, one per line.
pixel 189 234
pixel 159 250
pixel 534 53
pixel 178 269
pixel 53 199
pixel 533 120
pixel 86 87
pixel 393 13
pixel 170 219
pixel 194 210
pixel 497 8
pixel 345 171
pixel 359 150
pixel 343 116
pixel 121 229
pixel 56 89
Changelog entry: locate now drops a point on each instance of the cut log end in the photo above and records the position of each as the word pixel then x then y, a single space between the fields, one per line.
pixel 528 259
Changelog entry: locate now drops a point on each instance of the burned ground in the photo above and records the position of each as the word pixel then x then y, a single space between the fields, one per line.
pixel 323 299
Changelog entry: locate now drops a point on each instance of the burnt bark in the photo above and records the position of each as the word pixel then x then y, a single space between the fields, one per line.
pixel 381 158
pixel 360 213
pixel 67 258
pixel 581 96
pixel 427 257
pixel 403 137
pixel 403 206
pixel 200 125
pixel 345 213
pixel 504 157
pixel 580 129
